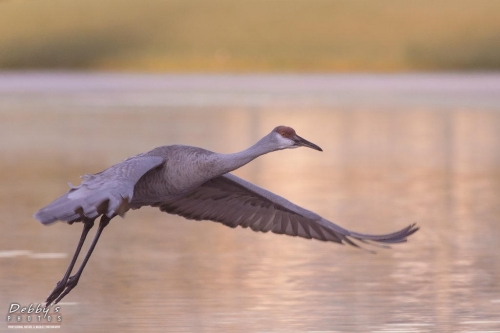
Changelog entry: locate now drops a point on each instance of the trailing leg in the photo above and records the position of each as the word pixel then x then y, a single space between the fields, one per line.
pixel 73 280
pixel 87 225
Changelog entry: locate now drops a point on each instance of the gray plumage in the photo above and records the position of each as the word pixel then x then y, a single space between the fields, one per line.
pixel 195 183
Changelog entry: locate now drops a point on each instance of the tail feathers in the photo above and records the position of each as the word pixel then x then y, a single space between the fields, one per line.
pixel 82 202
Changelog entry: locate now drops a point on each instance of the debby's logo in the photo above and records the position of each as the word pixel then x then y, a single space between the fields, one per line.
pixel 33 314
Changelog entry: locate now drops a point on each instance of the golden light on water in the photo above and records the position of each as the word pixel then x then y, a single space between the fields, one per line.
pixel 435 163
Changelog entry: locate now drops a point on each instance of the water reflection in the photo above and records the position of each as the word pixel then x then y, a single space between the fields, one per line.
pixel 381 169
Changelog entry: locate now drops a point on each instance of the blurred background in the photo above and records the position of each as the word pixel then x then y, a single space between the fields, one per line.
pixel 403 97
pixel 250 36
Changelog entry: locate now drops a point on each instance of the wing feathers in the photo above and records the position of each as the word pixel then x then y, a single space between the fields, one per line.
pixel 108 192
pixel 234 202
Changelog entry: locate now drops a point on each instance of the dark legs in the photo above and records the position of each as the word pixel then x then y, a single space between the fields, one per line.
pixel 87 225
pixel 67 283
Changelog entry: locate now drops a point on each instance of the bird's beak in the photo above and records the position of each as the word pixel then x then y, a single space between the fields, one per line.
pixel 301 142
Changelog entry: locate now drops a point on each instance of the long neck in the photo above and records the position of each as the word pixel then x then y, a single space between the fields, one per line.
pixel 233 161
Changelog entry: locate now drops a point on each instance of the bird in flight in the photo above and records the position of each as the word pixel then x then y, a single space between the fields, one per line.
pixel 197 184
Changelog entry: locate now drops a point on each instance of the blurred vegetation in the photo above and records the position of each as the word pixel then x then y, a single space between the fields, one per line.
pixel 253 35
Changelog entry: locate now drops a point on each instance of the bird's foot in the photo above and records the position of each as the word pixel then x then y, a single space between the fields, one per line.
pixel 62 289
pixel 72 282
pixel 56 292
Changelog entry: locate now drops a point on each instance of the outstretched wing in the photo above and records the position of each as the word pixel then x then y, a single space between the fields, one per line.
pixel 234 202
pixel 108 192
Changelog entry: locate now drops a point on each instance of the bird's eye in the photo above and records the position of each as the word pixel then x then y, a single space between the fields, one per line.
pixel 282 134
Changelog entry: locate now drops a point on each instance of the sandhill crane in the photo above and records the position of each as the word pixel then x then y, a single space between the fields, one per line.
pixel 194 183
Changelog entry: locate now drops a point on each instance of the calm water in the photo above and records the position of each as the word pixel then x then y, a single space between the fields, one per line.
pixel 397 150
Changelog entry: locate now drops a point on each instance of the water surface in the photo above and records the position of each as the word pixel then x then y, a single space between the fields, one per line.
pixel 397 150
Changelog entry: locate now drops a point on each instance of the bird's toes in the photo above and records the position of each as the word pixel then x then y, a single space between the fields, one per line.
pixel 72 282
pixel 60 286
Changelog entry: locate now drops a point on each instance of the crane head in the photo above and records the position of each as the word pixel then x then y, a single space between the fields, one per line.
pixel 289 139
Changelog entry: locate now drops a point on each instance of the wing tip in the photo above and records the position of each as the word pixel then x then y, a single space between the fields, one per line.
pixel 382 241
